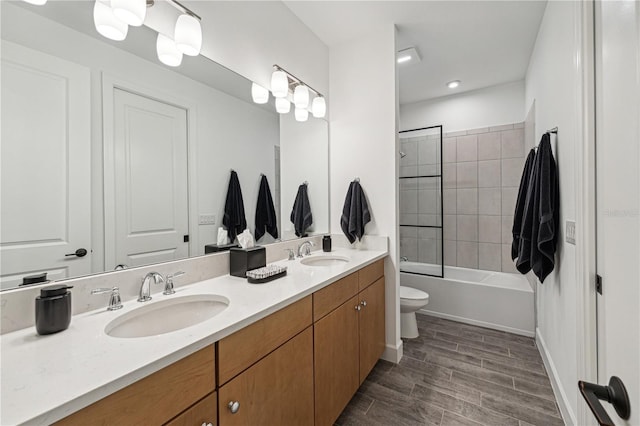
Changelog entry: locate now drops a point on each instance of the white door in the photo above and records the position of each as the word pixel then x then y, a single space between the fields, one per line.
pixel 45 166
pixel 150 202
pixel 618 197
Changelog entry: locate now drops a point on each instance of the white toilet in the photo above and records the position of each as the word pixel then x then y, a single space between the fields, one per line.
pixel 411 299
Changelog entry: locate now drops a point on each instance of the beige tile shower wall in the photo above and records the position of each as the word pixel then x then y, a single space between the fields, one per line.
pixel 481 174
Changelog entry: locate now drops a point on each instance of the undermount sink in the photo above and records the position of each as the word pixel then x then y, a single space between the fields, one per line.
pixel 324 260
pixel 167 316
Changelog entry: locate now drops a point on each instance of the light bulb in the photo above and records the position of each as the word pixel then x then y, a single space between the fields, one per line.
pixel 283 106
pixel 188 35
pixel 107 24
pixel 259 94
pixel 168 53
pixel 279 84
pixel 453 84
pixel 302 114
pixel 319 107
pixel 36 2
pixel 132 12
pixel 301 96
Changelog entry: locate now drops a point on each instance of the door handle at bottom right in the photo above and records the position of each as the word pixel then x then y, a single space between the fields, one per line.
pixel 615 393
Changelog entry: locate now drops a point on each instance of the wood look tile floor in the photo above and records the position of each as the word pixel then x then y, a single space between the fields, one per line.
pixel 456 374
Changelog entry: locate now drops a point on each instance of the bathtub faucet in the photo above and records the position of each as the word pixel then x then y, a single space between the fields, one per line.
pixel 404 259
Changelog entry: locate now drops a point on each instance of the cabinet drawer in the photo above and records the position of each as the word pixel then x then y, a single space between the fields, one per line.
pixel 156 398
pixel 369 274
pixel 203 413
pixel 278 390
pixel 334 295
pixel 245 347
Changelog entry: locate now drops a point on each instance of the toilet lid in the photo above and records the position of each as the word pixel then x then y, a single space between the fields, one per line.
pixel 412 293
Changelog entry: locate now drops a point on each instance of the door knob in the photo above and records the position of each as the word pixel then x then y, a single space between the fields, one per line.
pixel 615 393
pixel 363 303
pixel 358 307
pixel 79 253
pixel 234 406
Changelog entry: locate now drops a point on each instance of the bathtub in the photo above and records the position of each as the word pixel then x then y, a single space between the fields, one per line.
pixel 496 300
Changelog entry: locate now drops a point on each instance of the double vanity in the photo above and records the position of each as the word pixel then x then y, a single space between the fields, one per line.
pixel 219 351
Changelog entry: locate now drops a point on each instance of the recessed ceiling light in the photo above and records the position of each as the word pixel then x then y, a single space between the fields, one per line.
pixel 408 56
pixel 453 84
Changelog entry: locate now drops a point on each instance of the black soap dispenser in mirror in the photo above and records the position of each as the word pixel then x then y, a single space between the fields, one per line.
pixel 326 243
pixel 53 309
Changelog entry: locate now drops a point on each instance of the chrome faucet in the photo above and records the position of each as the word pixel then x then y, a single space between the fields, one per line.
pixel 145 288
pixel 304 249
pixel 404 259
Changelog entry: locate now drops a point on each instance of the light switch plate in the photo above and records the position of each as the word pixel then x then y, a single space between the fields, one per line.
pixel 570 232
pixel 207 219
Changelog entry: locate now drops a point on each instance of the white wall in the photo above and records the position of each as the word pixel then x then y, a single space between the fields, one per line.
pixel 228 133
pixel 363 143
pixel 304 156
pixel 491 106
pixel 552 81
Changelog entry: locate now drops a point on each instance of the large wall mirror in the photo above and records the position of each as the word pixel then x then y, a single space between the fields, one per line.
pixel 107 150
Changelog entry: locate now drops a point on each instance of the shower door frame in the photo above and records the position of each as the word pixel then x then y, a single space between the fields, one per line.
pixel 440 176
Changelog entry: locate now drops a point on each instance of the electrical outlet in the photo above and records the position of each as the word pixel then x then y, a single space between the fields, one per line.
pixel 570 232
pixel 207 219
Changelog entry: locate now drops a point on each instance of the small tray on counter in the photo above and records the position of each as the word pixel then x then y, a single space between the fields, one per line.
pixel 266 274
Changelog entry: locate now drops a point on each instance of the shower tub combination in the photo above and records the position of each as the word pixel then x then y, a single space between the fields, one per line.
pixel 497 300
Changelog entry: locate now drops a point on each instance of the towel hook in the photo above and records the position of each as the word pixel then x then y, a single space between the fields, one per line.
pixel 357 179
pixel 305 183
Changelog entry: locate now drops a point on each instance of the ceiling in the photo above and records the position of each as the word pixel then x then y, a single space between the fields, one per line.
pixel 481 43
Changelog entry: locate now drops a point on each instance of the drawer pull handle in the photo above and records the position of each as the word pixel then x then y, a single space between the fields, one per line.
pixel 207 424
pixel 363 303
pixel 234 406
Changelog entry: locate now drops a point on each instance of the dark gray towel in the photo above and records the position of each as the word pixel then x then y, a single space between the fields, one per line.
pixel 547 209
pixel 520 203
pixel 301 214
pixel 525 245
pixel 355 213
pixel 266 219
pixel 234 218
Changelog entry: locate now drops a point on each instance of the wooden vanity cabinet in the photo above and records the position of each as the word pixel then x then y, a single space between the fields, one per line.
pixel 204 412
pixel 349 340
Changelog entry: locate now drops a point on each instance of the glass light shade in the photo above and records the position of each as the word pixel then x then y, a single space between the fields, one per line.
pixel 132 12
pixel 36 2
pixel 319 107
pixel 259 94
pixel 168 53
pixel 283 106
pixel 302 114
pixel 279 84
pixel 188 35
pixel 107 24
pixel 301 96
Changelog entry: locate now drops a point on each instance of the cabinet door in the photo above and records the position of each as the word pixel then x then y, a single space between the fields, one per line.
pixel 336 361
pixel 278 390
pixel 202 413
pixel 371 326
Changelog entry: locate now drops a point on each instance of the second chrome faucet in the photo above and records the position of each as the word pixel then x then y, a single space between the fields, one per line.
pixel 145 288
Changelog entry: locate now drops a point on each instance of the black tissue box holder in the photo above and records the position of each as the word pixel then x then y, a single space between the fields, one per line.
pixel 243 260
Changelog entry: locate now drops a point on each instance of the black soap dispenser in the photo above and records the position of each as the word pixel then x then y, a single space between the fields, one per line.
pixel 53 309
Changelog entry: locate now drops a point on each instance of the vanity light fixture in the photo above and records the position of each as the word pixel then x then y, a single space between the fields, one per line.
pixel 107 24
pixel 302 114
pixel 188 34
pixel 168 52
pixel 36 2
pixel 301 96
pixel 132 12
pixel 259 94
pixel 283 106
pixel 453 84
pixel 319 107
pixel 279 84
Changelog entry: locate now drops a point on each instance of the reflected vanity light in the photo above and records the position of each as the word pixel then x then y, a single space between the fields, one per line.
pixel 188 35
pixel 283 106
pixel 131 12
pixel 319 107
pixel 168 52
pixel 259 94
pixel 107 24
pixel 36 2
pixel 279 84
pixel 453 84
pixel 302 114
pixel 301 96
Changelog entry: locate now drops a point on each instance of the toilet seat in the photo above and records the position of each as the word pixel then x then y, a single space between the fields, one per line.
pixel 413 294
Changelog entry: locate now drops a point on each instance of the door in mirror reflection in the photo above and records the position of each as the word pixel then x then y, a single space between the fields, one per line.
pixel 46 199
pixel 150 202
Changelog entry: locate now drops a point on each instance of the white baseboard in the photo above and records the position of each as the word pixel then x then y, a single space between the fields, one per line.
pixel 568 415
pixel 393 353
pixel 478 323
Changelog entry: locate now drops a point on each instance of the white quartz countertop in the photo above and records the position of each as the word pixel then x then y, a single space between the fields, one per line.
pixel 46 378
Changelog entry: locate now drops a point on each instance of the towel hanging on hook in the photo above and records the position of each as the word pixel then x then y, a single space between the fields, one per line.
pixel 357 179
